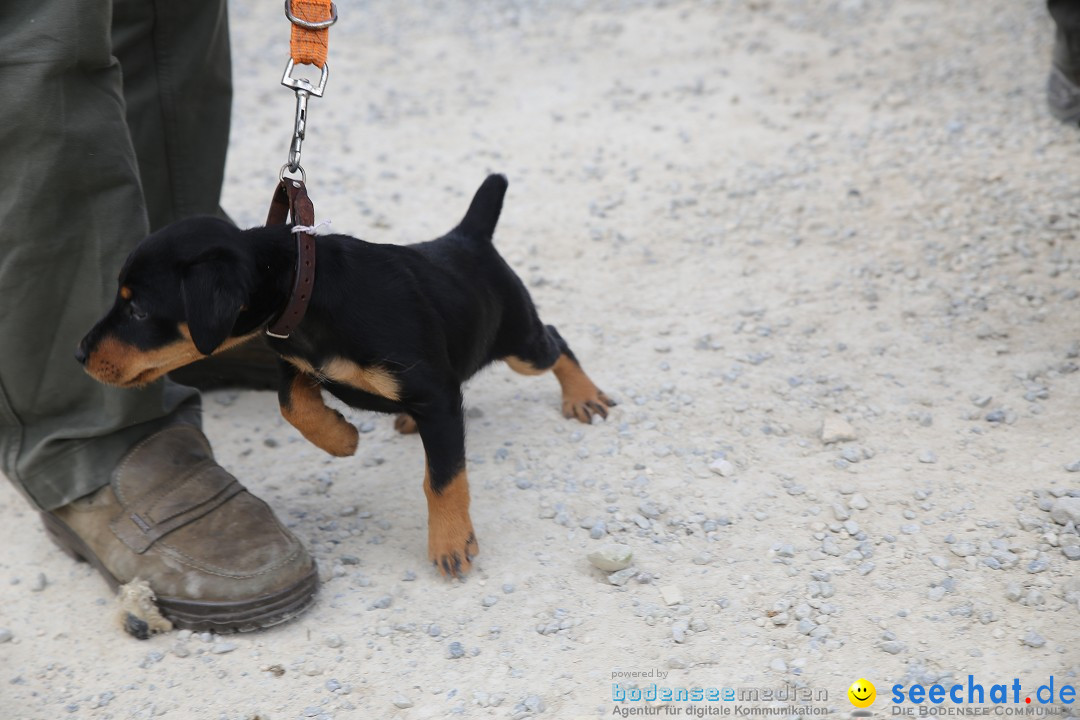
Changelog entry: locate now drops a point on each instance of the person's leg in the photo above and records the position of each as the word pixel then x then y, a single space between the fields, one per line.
pixel 71 213
pixel 178 90
pixel 1063 86
pixel 127 479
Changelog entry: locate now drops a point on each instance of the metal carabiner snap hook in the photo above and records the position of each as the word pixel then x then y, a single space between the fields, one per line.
pixel 304 89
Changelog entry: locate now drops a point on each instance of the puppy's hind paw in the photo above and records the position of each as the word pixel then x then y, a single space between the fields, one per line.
pixel 405 424
pixel 582 406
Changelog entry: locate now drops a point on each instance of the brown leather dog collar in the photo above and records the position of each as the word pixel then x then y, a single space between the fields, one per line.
pixel 291 198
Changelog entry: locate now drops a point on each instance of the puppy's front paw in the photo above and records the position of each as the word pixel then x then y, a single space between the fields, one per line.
pixel 586 402
pixel 339 438
pixel 452 546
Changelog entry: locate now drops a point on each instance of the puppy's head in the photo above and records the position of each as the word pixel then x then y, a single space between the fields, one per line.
pixel 180 293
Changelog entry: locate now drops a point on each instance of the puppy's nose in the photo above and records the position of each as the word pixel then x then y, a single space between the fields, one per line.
pixel 80 353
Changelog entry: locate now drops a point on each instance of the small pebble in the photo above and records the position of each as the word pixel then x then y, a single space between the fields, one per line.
pixel 963 549
pixel 836 429
pixel 858 502
pixel 671 594
pixel 1034 639
pixel 1038 565
pixel 1066 510
pixel 611 557
pixel 722 467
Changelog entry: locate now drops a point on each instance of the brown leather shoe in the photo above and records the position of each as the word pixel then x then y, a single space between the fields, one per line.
pixel 215 555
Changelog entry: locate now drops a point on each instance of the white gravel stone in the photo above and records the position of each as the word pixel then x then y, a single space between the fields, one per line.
pixel 722 467
pixel 611 557
pixel 671 594
pixel 836 429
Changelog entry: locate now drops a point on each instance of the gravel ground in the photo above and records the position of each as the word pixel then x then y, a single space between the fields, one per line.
pixel 823 253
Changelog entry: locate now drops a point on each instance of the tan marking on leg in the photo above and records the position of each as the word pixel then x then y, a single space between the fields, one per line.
pixel 115 362
pixel 451 540
pixel 300 364
pixel 375 380
pixel 581 397
pixel 405 424
pixel 324 427
pixel 523 367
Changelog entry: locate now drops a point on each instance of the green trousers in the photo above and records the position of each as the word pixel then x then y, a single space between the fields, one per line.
pixel 114 122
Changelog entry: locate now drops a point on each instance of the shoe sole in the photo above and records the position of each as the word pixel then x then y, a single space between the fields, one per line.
pixel 220 617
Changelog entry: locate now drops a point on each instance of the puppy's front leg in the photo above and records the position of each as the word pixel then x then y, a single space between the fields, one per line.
pixel 451 540
pixel 302 405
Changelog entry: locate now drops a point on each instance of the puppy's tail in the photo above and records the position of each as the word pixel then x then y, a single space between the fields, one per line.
pixel 483 213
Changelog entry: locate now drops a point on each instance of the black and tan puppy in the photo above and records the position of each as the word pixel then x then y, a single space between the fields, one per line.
pixel 393 329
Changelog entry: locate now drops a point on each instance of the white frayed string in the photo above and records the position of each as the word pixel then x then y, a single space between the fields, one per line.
pixel 310 229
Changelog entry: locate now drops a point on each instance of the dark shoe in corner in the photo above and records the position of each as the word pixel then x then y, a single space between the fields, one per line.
pixel 215 555
pixel 251 366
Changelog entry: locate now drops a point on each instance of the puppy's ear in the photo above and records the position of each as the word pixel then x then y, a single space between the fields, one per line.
pixel 213 292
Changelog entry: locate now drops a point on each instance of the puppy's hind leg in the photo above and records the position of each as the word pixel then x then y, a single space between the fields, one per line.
pixel 302 405
pixel 581 399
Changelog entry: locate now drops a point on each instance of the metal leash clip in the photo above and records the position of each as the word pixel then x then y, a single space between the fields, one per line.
pixel 320 25
pixel 303 89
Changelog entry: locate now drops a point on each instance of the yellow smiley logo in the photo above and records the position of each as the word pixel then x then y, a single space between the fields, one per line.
pixel 862 693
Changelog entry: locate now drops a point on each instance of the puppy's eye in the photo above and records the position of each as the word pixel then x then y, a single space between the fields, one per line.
pixel 135 312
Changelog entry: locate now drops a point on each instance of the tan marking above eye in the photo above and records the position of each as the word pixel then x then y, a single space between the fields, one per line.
pixel 125 292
